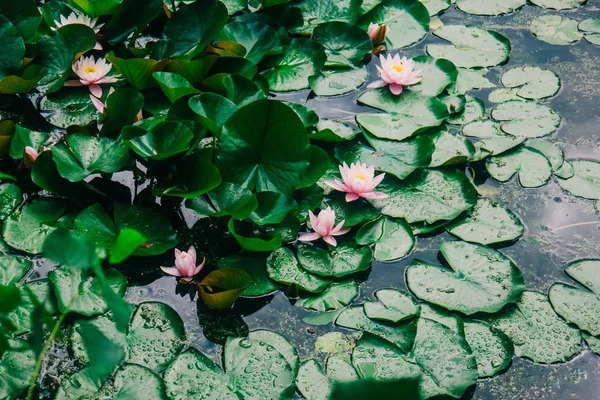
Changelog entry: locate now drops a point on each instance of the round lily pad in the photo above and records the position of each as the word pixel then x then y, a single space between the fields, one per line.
pixel 437 75
pixel 555 29
pixel 427 195
pixel 103 323
pixel 536 331
pixel 450 149
pixel 391 305
pixel 283 267
pixel 481 279
pixel 526 118
pixel 18 363
pixel 337 81
pixel 392 239
pixel 558 4
pixel 469 79
pixel 10 197
pixel 69 106
pixel 580 306
pixel 336 261
pixel 345 44
pixel 471 47
pixel 487 223
pixel 316 12
pixel 489 7
pixel 585 181
pixel 551 150
pixel 258 38
pixel 436 6
pixel 533 167
pixel 280 343
pixel 493 350
pixel 591 28
pixel 254 265
pixel 474 110
pixel 12 269
pixel 336 296
pixel 532 82
pixel 312 383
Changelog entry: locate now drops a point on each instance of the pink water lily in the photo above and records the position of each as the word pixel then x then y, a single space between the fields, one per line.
pixel 359 180
pixel 396 72
pixel 185 265
pixel 377 33
pixel 78 18
pixel 29 156
pixel 324 227
pixel 91 73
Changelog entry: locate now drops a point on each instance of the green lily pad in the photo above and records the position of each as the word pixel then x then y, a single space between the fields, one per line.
pixel 32 294
pixel 555 29
pixel 283 267
pixel 221 288
pixel 165 140
pixel 408 21
pixel 213 110
pixel 493 350
pixel 578 305
pixel 487 223
pixel 536 331
pixel 526 118
pixel 489 7
pixel 225 199
pixel 78 291
pixel 291 70
pixel 531 82
pixel 591 28
pixel 333 131
pixel 258 39
pixel 28 229
pixel 437 75
pixel 593 343
pixel 69 106
pixel 409 113
pixel 443 316
pixel 337 81
pixel 345 44
pixel 551 150
pixel 450 149
pixel 312 383
pixel 15 49
pixel 316 12
pixel 261 157
pixel 254 265
pixel 585 181
pixel 281 344
pixel 336 262
pixel 558 4
pixel 138 71
pixel 533 167
pixel 18 364
pixel 481 279
pixel 193 175
pixel 474 110
pixel 401 334
pixel 336 296
pixel 393 239
pixel 471 47
pixel 392 305
pixel 272 208
pixel 436 6
pixel 353 213
pixel 427 195
pixel 12 269
pixel 105 324
pixel 469 79
pixel 10 197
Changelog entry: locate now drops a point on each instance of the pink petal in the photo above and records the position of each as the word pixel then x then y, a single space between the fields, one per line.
pixel 326 220
pixel 342 231
pixel 330 240
pixel 395 89
pixel 192 253
pixel 338 228
pixel 351 197
pixel 98 104
pixel 187 278
pixel 374 195
pixel 171 271
pixel 337 185
pixel 376 181
pixel 177 253
pixel 199 267
pixel 73 83
pixel 376 84
pixel 313 220
pixel 309 237
pixel 96 90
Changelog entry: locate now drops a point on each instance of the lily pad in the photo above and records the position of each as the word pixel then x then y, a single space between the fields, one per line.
pixel 490 7
pixel 258 38
pixel 337 81
pixel 591 28
pixel 481 279
pixel 225 199
pixel 336 296
pixel 526 118
pixel 585 181
pixel 471 47
pixel 280 343
pixel 533 167
pixel 312 383
pixel 536 331
pixel 353 213
pixel 555 29
pixel 32 294
pixel 391 305
pixel 558 4
pixel 437 75
pixel 221 288
pixel 345 44
pixel 469 79
pixel 532 82
pixel 336 262
pixel 10 197
pixel 427 195
pixel 283 267
pixel 329 130
pixel 69 106
pixel 450 149
pixel 578 305
pixel 407 20
pixel 393 239
pixel 436 6
pixel 316 12
pixel 474 110
pixel 12 269
pixel 487 223
pixel 253 265
pixel 493 350
pixel 18 363
pixel 551 150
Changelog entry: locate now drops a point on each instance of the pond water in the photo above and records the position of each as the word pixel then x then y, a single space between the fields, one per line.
pixel 560 227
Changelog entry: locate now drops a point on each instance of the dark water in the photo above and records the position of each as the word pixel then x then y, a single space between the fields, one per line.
pixel 560 227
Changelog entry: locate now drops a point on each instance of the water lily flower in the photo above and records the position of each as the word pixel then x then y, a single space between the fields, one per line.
pixel 324 226
pixel 377 33
pixel 79 18
pixel 396 73
pixel 185 265
pixel 91 73
pixel 29 156
pixel 359 180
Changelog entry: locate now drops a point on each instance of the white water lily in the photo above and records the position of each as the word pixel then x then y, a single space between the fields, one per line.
pixel 92 74
pixel 79 18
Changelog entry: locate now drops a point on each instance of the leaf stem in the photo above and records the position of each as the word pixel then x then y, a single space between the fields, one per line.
pixel 40 359
pixel 577 224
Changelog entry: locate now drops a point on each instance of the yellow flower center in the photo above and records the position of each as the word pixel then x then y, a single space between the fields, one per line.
pixel 90 70
pixel 361 177
pixel 398 67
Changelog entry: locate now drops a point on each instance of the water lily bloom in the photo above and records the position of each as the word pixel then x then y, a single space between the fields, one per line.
pixel 359 180
pixel 79 18
pixel 185 265
pixel 396 73
pixel 91 73
pixel 324 227
pixel 29 156
pixel 377 33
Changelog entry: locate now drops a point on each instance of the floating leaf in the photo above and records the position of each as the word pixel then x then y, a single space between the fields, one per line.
pixel 18 363
pixel 338 261
pixel 312 383
pixel 437 75
pixel 272 208
pixel 32 295
pixel 316 12
pixel 225 199
pixel 337 81
pixel 487 223
pixel 336 296
pixel 471 47
pixel 474 110
pixel 555 29
pixel 353 213
pixel 531 82
pixel 436 6
pixel 258 39
pixel 70 106
pixel 450 149
pixel 591 28
pixel 481 279
pixel 281 344
pixel 558 4
pixel 577 305
pixel 427 195
pixel 469 79
pixel 526 118
pixel 345 44
pixel 536 331
pixel 213 110
pixel 253 265
pixel 550 149
pixel 490 7
pixel 162 141
pixel 221 288
pixel 333 131
pixel 10 197
pixel 493 350
pixel 584 182
pixel 283 267
pixel 392 305
pixel 533 167
pixel 393 239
